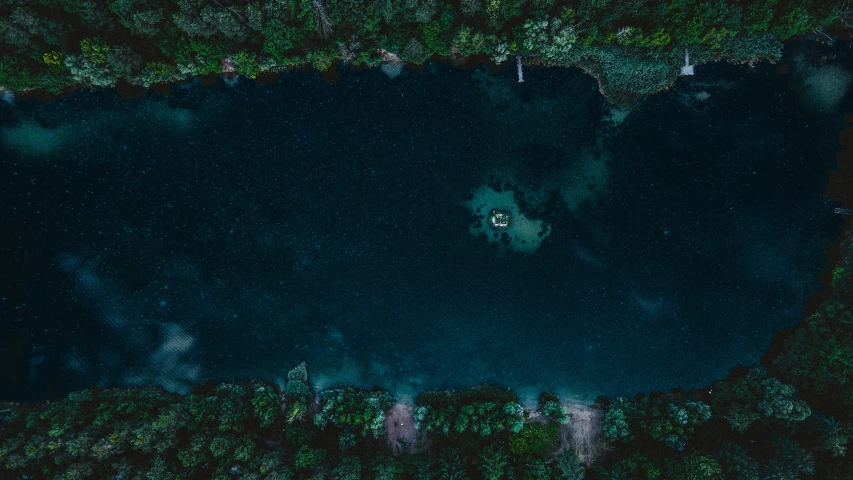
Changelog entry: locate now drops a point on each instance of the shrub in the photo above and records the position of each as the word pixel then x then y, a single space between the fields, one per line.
pixel 556 412
pixel 493 463
pixel 349 407
pixel 535 440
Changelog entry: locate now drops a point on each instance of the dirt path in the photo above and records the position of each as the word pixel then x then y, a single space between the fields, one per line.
pixel 583 431
pixel 400 429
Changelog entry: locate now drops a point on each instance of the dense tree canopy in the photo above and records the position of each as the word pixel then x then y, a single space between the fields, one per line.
pixel 634 46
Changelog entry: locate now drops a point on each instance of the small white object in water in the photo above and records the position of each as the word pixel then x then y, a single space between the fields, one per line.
pixel 687 69
pixel 520 71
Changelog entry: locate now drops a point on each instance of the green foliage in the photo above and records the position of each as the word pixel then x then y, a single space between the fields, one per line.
pixel 297 393
pixel 421 467
pixel 95 50
pixel 506 10
pixel 451 464
pixel 198 56
pixel 245 449
pixel 834 434
pixel 346 440
pixel 160 434
pixel 550 39
pixel 436 39
pixel 556 412
pixel 570 467
pixel 280 38
pixel 227 410
pixel 297 388
pixel 736 462
pixel 500 53
pixel 757 16
pixel 214 433
pixel 789 459
pixel 626 75
pixel 322 60
pixel 792 23
pixel 194 37
pixel 116 405
pixel 447 17
pixel 139 21
pixel 220 446
pixel 52 58
pixel 307 457
pixel 469 42
pixel 614 425
pixel 702 467
pixel 247 64
pixel 670 418
pixel 535 440
pixel 158 72
pixel 842 274
pixel 386 468
pixel 414 52
pixel 745 398
pixel 266 405
pixel 196 454
pixel 350 407
pixel 494 463
pixel 299 433
pixel 537 469
pixel 817 358
pixel 780 402
pixel 483 418
pixel 348 469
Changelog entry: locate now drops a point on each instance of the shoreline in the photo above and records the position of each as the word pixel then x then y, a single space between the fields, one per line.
pixel 582 433
pixel 589 62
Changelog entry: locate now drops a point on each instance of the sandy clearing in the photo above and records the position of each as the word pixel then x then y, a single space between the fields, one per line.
pixel 583 431
pixel 400 429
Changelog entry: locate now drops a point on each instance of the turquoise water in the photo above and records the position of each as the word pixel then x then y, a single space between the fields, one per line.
pixel 232 231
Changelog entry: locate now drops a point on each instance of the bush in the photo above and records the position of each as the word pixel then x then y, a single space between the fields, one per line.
pixel 625 75
pixel 556 412
pixel 535 440
pixel 493 463
pixel 350 407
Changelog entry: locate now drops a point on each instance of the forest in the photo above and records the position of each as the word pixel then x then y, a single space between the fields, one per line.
pixel 633 47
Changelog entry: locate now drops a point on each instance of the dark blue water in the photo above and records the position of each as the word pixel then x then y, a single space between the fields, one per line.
pixel 233 231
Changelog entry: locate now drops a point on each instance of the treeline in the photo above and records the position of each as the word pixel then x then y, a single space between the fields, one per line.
pixel 750 426
pixel 633 46
pixel 256 430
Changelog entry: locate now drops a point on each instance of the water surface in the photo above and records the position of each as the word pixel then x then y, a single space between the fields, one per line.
pixel 233 231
